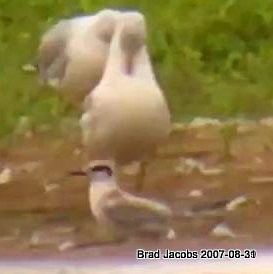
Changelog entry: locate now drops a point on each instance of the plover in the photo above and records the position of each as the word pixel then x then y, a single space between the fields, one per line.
pixel 122 214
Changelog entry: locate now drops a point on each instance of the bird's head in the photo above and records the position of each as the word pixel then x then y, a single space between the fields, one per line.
pixel 131 28
pixel 132 36
pixel 105 24
pixel 99 170
pixel 132 31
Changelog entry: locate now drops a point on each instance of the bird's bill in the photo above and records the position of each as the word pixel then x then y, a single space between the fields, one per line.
pixel 78 173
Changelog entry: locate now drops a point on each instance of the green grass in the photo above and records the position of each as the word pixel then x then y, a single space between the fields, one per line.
pixel 212 57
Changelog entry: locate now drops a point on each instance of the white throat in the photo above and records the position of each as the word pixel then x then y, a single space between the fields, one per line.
pixel 101 176
pixel 100 184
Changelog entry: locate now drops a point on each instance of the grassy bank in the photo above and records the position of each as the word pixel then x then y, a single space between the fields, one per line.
pixel 212 58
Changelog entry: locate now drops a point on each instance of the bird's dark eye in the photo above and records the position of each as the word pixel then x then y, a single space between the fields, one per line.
pixel 102 168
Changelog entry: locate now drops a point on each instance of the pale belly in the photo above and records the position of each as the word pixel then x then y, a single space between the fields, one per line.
pixel 132 140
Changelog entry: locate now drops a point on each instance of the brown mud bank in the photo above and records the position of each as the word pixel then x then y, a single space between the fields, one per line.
pixel 218 180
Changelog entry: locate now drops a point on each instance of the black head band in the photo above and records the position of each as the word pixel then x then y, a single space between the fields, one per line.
pixel 103 168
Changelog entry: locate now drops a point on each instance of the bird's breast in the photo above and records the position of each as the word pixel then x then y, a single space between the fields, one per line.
pixel 127 120
pixel 97 192
pixel 134 104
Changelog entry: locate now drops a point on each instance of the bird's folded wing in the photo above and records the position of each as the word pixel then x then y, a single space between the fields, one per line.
pixel 130 213
pixel 52 49
pixel 58 68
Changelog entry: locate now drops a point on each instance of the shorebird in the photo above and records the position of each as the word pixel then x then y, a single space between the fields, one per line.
pixel 121 213
pixel 126 116
pixel 72 54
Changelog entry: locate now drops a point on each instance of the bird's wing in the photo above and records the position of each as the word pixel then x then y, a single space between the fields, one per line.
pixel 58 67
pixel 51 54
pixel 131 212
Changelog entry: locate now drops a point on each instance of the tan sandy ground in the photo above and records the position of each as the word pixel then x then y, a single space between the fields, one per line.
pixel 45 214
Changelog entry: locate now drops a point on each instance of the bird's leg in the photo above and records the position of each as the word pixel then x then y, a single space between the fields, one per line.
pixel 141 176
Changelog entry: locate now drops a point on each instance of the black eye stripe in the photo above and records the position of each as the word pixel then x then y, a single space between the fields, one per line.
pixel 103 168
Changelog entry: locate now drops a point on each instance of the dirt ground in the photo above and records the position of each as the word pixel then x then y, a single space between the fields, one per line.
pixel 219 188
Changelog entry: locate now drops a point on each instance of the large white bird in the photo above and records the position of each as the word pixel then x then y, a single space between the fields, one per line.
pixel 126 116
pixel 72 54
pixel 122 214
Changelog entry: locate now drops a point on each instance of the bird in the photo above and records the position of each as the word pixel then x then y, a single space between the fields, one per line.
pixel 126 116
pixel 72 54
pixel 122 214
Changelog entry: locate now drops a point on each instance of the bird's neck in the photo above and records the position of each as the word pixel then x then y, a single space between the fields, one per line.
pixel 119 63
pixel 99 187
pixel 138 65
pixel 102 182
pixel 143 67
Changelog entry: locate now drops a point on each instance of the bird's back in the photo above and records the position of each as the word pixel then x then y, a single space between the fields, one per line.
pixel 131 215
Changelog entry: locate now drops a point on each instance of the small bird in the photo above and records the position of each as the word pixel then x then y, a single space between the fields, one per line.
pixel 121 213
pixel 72 54
pixel 126 116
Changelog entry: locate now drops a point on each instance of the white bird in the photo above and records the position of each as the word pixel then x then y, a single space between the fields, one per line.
pixel 72 54
pixel 122 214
pixel 126 116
